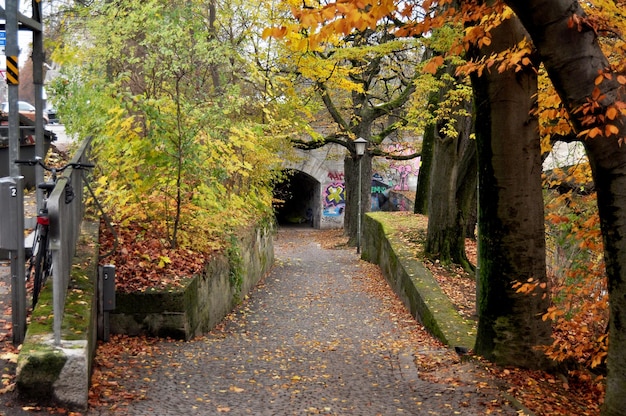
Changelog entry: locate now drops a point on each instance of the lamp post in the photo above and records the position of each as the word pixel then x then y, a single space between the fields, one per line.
pixel 359 148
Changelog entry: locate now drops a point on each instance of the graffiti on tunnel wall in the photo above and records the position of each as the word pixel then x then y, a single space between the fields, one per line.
pixel 394 175
pixel 335 176
pixel 402 170
pixel 334 199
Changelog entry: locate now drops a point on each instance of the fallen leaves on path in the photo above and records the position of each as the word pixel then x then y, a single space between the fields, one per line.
pixel 116 363
pixel 125 358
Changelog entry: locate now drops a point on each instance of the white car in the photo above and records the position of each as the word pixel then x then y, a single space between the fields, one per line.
pixel 26 109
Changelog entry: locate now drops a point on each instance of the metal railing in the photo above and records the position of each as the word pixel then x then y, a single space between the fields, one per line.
pixel 65 222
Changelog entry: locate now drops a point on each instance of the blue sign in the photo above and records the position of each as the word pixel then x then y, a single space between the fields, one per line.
pixel 3 38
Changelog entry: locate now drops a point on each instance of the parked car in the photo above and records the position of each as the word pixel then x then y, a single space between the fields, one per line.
pixel 53 117
pixel 26 109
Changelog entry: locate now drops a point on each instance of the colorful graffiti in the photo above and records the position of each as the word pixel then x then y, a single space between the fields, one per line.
pixel 334 199
pixel 402 169
pixel 380 192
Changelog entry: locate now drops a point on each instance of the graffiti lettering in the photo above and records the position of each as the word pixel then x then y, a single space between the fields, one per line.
pixel 379 189
pixel 335 176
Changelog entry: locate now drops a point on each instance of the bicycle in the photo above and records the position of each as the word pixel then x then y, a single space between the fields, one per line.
pixel 40 261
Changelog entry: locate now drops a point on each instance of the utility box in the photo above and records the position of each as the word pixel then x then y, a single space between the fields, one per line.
pixel 11 207
pixel 108 287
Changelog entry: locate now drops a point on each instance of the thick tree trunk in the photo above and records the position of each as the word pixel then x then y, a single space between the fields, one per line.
pixel 511 236
pixel 423 176
pixel 574 59
pixel 445 238
pixel 442 231
pixel 467 190
pixel 446 218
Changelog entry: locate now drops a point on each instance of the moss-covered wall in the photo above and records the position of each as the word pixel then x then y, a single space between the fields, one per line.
pixel 413 282
pixel 183 313
pixel 60 373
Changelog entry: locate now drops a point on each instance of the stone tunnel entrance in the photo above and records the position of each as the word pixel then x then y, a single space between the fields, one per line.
pixel 297 200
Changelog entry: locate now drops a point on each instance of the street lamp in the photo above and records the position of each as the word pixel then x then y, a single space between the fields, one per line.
pixel 359 148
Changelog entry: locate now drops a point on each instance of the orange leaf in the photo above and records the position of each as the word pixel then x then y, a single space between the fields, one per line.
pixel 594 132
pixel 610 129
pixel 598 80
pixel 595 95
pixel 275 32
pixel 432 65
pixel 612 113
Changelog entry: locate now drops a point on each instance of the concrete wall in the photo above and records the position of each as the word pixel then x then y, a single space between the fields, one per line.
pixel 197 307
pixel 324 165
pixel 60 373
pixel 413 282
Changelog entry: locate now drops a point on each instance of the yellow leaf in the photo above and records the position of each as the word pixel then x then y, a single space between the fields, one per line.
pixel 275 32
pixel 9 356
pixel 163 260
pixel 8 388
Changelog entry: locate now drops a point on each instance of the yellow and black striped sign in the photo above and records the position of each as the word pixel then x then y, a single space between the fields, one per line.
pixel 13 71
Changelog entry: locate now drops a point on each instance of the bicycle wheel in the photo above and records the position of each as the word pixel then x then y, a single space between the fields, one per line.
pixel 42 265
pixel 33 253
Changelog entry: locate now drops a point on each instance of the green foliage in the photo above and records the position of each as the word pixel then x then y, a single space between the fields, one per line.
pixel 180 143
pixel 235 263
pixel 451 88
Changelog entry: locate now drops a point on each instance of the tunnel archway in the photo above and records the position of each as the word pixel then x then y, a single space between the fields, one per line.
pixel 297 200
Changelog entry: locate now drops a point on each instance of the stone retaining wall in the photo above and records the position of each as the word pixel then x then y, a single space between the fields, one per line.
pixel 185 312
pixel 60 373
pixel 414 283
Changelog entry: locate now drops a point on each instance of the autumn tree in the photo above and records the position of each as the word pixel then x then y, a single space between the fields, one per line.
pixel 511 236
pixel 383 88
pixel 363 81
pixel 451 179
pixel 501 320
pixel 592 90
pixel 446 189
pixel 185 145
